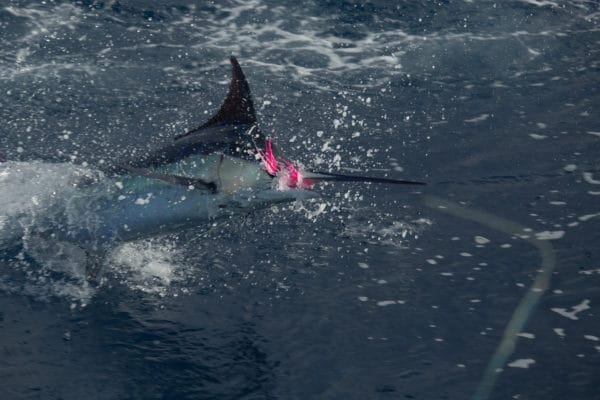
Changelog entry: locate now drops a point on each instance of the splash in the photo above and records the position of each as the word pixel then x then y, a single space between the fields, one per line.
pixel 37 265
pixel 148 266
pixel 384 230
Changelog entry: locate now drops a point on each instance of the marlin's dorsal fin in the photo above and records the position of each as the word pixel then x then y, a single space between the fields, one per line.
pixel 237 107
pixel 232 130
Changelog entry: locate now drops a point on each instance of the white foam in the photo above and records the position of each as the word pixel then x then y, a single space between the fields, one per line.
pixel 312 210
pixel 385 303
pixel 382 231
pixel 380 52
pixel 44 24
pixel 541 3
pixel 149 266
pixel 549 235
pixel 587 217
pixel 537 136
pixel 481 240
pixel 480 118
pixel 590 271
pixel 589 178
pixel 560 332
pixel 144 201
pixel 526 335
pixel 557 203
pixel 584 305
pixel 522 363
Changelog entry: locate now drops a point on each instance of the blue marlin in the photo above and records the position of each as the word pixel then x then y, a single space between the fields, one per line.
pixel 220 168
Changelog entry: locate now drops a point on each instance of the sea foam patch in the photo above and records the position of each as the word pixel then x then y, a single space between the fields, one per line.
pixel 522 363
pixel 150 266
pixel 576 309
pixel 549 235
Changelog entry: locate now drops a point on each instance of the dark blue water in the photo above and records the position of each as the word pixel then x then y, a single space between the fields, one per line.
pixel 484 284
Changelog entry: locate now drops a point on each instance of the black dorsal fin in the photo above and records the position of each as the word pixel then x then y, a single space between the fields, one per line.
pixel 237 107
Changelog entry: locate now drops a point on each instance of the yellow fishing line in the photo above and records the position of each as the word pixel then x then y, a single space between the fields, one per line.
pixel 526 306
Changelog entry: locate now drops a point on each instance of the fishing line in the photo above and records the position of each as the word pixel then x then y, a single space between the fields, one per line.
pixel 528 303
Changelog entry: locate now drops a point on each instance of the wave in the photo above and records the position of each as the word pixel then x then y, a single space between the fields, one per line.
pixel 314 43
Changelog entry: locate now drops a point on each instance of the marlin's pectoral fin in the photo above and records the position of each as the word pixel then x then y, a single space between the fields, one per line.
pixel 324 176
pixel 175 179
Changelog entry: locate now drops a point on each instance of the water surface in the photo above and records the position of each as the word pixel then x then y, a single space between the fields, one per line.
pixel 371 291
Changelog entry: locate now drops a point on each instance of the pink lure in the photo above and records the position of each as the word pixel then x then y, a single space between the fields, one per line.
pixel 294 178
pixel 269 162
pixel 288 173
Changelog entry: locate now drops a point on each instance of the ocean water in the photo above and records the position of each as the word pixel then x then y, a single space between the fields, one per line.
pixel 483 284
